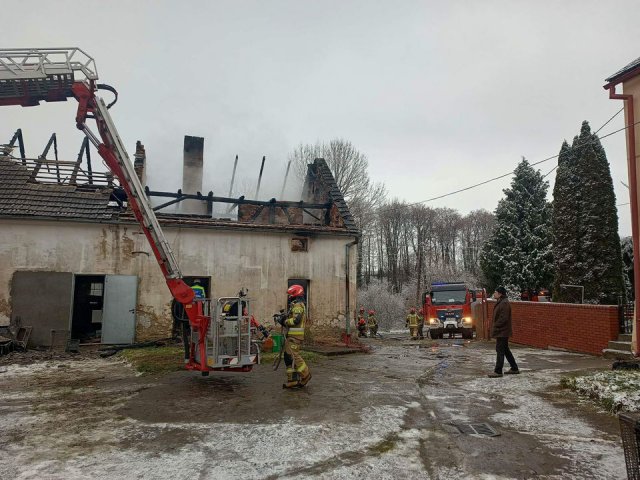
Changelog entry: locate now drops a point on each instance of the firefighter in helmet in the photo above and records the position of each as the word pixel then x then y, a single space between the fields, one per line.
pixel 421 324
pixel 372 323
pixel 298 374
pixel 412 322
pixel 198 289
pixel 361 324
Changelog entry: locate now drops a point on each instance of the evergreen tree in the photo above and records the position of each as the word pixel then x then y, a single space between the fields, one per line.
pixel 585 223
pixel 600 259
pixel 518 254
pixel 566 225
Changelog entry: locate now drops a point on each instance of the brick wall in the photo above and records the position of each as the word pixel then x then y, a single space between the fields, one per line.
pixel 579 328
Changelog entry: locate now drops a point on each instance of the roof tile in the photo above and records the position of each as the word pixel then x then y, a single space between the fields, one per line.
pixel 20 197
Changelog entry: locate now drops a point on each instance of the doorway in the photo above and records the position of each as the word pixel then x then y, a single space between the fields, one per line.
pixel 177 309
pixel 304 284
pixel 88 303
pixel 104 309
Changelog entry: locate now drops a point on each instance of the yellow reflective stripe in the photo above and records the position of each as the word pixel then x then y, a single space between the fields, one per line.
pixel 301 368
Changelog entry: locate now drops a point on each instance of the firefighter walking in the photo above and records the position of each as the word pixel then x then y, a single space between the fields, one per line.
pixel 413 320
pixel 298 374
pixel 421 325
pixel 372 323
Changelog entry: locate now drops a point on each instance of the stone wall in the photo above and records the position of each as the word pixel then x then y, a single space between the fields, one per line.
pixel 261 262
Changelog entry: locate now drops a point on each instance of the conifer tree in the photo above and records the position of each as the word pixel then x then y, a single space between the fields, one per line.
pixel 518 254
pixel 600 259
pixel 566 225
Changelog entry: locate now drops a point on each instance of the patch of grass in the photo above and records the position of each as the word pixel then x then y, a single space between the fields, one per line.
pixel 161 360
pixel 615 390
pixel 154 360
pixel 309 357
pixel 383 446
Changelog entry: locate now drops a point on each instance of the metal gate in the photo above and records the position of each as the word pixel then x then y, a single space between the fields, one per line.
pixel 119 309
pixel 625 316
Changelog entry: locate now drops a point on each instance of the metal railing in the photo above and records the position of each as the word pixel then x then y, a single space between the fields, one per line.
pixel 625 317
pixel 39 63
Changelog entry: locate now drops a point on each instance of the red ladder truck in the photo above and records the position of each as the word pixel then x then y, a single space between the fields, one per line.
pixel 29 76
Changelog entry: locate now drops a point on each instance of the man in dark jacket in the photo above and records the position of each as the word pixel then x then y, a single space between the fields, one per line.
pixel 501 331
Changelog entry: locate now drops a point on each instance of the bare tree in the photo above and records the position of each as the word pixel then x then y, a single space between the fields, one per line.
pixel 350 169
pixel 475 229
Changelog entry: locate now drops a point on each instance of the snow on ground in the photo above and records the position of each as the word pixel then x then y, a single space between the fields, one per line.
pixel 530 413
pixel 93 441
pixel 616 390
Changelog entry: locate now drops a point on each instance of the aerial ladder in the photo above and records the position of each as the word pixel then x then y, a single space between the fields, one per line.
pixel 29 76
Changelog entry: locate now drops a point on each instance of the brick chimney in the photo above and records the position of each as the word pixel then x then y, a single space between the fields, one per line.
pixel 193 159
pixel 140 162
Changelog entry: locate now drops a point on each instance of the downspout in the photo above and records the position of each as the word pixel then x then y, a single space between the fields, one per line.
pixel 633 194
pixel 347 249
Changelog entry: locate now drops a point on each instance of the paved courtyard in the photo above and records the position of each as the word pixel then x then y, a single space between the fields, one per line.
pixel 389 414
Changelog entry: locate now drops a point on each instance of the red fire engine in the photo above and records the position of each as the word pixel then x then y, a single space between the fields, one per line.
pixel 447 310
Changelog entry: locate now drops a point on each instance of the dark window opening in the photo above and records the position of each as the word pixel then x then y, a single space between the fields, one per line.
pixel 299 244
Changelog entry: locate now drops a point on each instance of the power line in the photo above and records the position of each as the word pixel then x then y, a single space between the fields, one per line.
pixel 607 122
pixel 549 172
pixel 513 171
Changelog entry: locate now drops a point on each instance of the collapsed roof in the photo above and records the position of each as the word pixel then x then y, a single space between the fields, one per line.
pixel 47 189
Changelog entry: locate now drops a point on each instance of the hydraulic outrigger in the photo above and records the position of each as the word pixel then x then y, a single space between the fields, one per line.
pixel 29 76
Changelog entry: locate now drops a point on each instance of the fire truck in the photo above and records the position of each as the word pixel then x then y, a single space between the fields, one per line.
pixel 447 310
pixel 219 341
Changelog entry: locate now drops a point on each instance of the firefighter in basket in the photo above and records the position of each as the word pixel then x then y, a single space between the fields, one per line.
pixel 298 374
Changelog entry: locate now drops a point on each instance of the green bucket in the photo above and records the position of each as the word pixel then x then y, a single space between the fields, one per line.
pixel 278 342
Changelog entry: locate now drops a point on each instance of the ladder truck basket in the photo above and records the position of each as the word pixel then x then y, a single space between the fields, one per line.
pixel 229 340
pixel 29 76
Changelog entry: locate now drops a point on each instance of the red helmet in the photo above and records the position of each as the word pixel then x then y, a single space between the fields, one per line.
pixel 372 312
pixel 296 291
pixel 413 310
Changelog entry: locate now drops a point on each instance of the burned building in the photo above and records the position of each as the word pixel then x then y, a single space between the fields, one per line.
pixel 74 258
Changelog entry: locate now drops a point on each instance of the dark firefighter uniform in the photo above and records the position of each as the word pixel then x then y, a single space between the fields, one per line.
pixel 372 323
pixel 298 374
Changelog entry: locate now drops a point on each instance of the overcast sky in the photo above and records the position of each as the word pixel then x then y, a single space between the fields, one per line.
pixel 438 95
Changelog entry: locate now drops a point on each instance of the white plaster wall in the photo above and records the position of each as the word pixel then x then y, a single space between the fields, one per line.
pixel 261 262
